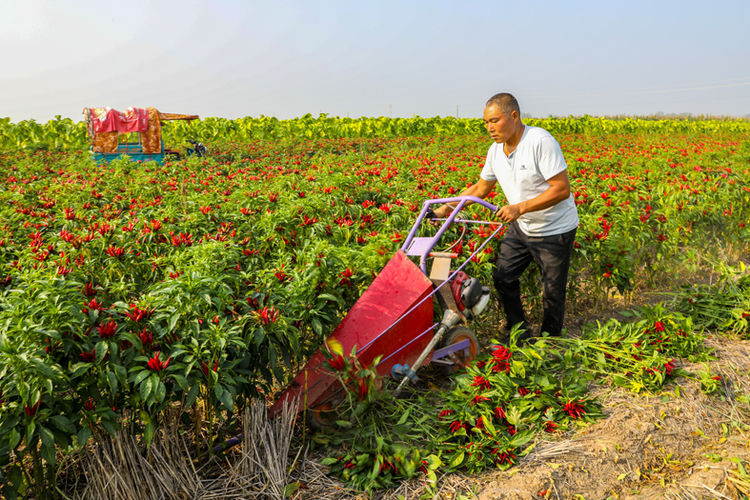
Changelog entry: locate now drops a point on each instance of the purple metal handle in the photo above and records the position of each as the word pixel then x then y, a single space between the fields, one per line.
pixel 462 200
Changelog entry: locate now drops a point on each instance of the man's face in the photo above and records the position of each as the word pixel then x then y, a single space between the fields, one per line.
pixel 499 124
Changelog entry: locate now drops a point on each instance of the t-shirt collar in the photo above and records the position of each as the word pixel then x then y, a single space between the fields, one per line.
pixel 502 148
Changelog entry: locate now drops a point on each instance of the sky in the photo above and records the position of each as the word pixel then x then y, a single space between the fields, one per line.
pixel 398 58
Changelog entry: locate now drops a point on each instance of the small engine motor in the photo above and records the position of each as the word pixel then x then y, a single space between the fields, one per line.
pixel 471 297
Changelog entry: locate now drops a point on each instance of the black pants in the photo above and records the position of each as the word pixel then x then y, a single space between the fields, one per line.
pixel 552 255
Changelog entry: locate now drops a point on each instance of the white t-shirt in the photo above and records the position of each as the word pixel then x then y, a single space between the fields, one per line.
pixel 523 175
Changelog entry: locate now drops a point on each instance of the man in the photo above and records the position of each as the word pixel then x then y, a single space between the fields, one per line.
pixel 540 217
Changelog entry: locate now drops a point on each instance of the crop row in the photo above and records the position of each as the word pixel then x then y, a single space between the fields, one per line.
pixel 66 134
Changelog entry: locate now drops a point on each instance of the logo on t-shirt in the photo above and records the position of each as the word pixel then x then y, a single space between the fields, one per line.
pixel 523 167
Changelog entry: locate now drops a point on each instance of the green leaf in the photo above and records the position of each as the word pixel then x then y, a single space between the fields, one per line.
pixel 48 453
pixel 30 428
pixel 513 416
pixel 404 417
pixel 181 381
pixel 380 443
pixel 148 433
pixel 488 425
pixel 79 369
pixel 146 389
pixel 457 460
pixel 48 438
pixel 160 390
pixel 520 439
pixel 42 367
pixel 317 326
pixel 14 438
pixel 101 350
pixel 527 450
pixel 63 423
pixel 15 481
pixel 333 298
pixel 83 435
pixel 112 379
pixel 140 376
pixel 290 489
pixel 121 372
pixel 192 395
pixel 173 321
pixel 260 334
pixel 226 400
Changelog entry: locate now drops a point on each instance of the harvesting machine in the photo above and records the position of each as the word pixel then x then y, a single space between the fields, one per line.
pixel 394 318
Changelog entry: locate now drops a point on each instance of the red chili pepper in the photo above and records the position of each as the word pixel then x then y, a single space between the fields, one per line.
pixel 481 382
pixel 499 413
pixel 31 410
pixel 574 409
pixel 107 330
pixel 445 413
pixel 155 364
pixel 337 363
pixel 479 398
pixel 669 367
pixel 362 389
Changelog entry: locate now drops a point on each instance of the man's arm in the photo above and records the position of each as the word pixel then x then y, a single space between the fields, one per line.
pixel 481 189
pixel 558 190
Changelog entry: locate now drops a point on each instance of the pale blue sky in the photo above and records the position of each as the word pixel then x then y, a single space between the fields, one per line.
pixel 368 58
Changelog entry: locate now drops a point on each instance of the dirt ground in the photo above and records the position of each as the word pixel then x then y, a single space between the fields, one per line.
pixel 682 444
pixel 671 446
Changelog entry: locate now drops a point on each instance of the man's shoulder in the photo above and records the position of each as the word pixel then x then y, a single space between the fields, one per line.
pixel 538 133
pixel 538 140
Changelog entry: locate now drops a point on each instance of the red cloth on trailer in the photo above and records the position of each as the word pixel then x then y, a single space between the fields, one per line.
pixel 111 120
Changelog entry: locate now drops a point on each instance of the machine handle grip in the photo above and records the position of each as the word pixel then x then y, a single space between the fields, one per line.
pixel 461 202
pixel 430 214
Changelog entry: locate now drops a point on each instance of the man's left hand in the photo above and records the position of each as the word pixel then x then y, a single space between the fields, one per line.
pixel 508 213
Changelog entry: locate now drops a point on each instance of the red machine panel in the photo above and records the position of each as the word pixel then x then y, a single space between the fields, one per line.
pixel 376 327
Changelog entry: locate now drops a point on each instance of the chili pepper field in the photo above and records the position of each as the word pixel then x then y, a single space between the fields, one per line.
pixel 141 296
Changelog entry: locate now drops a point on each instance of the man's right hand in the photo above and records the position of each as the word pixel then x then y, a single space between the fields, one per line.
pixel 439 213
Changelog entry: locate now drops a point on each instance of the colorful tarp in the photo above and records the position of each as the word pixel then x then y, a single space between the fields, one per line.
pixel 106 142
pixel 111 120
pixel 151 137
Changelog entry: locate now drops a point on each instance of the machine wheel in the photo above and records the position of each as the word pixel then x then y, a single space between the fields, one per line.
pixel 461 358
pixel 321 417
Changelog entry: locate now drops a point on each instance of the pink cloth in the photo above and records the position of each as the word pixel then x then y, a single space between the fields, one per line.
pixel 111 120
